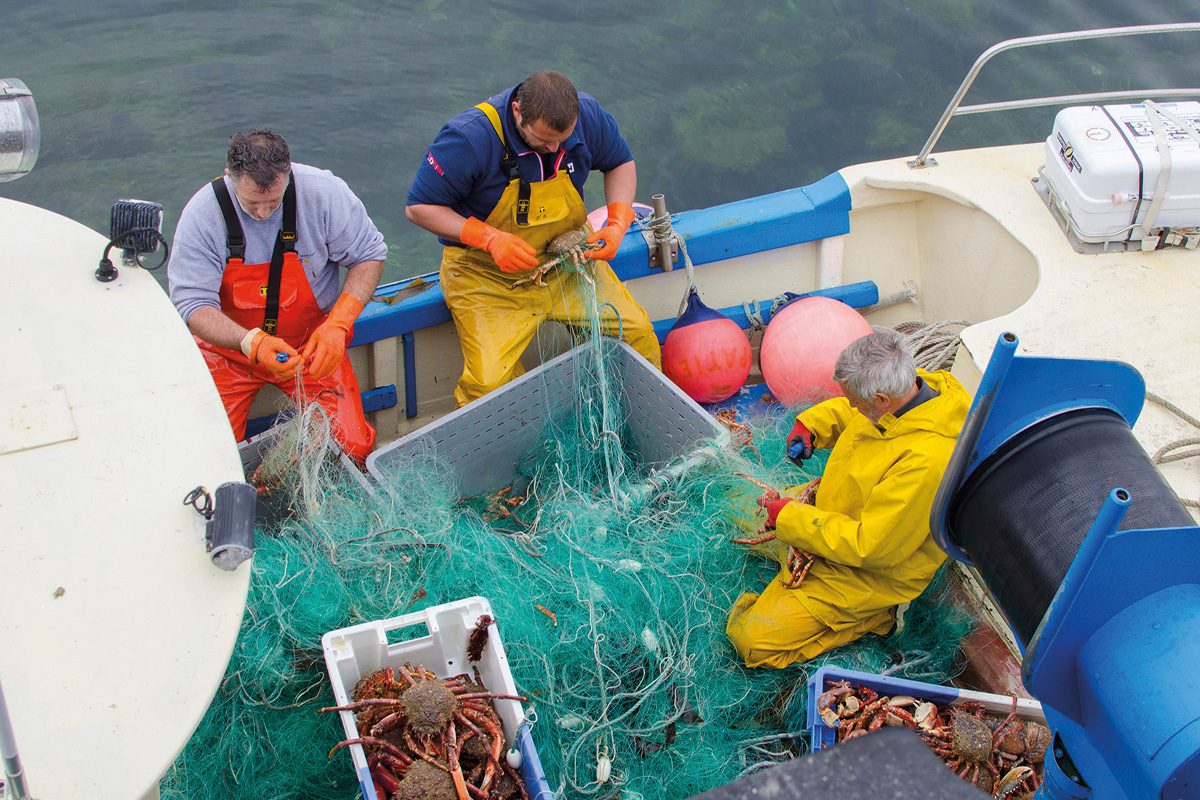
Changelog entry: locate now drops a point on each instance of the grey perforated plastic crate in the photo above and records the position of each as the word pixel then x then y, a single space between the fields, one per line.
pixel 484 441
pixel 271 507
pixel 252 450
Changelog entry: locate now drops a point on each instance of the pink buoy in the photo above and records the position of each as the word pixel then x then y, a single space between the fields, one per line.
pixel 706 354
pixel 801 346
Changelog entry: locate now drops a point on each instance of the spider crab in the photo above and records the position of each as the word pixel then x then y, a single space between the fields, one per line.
pixel 799 562
pixel 963 739
pixel 429 736
pixel 566 248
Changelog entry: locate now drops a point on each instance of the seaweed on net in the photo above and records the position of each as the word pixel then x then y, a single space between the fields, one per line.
pixel 612 606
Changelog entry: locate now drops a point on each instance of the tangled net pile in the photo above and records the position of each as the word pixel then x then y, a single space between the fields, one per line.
pixel 611 604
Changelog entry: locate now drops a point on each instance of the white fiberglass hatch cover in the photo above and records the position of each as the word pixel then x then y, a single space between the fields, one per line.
pixel 116 627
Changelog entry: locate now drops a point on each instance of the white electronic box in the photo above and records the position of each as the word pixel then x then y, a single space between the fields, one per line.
pixel 1106 166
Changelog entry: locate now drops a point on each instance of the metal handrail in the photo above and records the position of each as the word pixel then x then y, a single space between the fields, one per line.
pixel 953 108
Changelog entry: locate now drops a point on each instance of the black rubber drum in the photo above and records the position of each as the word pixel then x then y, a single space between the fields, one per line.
pixel 1022 514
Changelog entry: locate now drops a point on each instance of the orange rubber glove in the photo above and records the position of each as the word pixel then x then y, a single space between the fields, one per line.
pixel 327 344
pixel 620 217
pixel 511 252
pixel 263 350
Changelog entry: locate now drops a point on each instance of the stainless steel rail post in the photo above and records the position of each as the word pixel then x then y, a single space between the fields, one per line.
pixel 922 160
pixel 14 777
pixel 662 240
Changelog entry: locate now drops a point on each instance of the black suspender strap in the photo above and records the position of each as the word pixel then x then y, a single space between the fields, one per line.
pixel 523 203
pixel 235 237
pixel 508 163
pixel 285 242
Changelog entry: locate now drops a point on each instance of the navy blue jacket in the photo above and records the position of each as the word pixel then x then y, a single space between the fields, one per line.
pixel 462 167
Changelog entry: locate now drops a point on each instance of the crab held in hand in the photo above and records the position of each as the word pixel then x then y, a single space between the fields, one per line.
pixel 799 562
pixel 565 248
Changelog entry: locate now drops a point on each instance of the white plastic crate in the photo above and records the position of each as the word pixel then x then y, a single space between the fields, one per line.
pixel 355 652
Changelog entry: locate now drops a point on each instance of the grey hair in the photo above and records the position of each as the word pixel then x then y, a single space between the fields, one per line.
pixel 879 362
pixel 260 154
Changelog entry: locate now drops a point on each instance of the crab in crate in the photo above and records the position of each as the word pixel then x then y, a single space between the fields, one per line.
pixel 963 739
pixel 1000 755
pixel 426 736
pixel 566 248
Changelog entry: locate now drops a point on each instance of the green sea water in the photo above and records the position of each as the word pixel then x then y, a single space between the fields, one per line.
pixel 719 100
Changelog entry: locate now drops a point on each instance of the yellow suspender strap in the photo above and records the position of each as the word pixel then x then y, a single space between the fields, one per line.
pixel 508 163
pixel 494 117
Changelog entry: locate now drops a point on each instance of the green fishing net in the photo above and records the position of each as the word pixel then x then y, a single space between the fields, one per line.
pixel 610 599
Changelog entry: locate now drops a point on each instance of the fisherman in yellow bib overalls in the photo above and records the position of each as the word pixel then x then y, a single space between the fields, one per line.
pixel 519 161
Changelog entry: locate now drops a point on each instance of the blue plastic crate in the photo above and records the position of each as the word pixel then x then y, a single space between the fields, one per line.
pixel 823 736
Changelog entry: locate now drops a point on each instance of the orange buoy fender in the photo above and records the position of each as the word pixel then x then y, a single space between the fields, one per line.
pixel 706 354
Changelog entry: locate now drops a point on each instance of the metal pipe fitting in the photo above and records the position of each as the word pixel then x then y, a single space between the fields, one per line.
pixel 662 241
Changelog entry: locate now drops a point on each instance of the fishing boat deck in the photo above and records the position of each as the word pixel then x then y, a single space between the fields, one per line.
pixel 1136 307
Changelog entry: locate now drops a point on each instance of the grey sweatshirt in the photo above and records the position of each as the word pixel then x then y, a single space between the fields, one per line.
pixel 333 231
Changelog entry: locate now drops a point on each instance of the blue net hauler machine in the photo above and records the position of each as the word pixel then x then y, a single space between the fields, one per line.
pixel 1093 561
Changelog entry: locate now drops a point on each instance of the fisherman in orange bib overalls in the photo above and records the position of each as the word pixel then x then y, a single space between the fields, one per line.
pixel 254 272
pixel 499 182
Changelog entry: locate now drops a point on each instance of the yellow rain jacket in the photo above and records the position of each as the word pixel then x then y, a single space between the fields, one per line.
pixel 868 528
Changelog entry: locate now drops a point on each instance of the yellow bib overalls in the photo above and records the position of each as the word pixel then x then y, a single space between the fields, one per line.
pixel 495 321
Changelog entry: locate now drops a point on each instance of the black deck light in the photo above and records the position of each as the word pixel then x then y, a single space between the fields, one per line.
pixel 229 521
pixel 136 228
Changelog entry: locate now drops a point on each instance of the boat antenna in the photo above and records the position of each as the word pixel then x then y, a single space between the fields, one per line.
pixel 14 787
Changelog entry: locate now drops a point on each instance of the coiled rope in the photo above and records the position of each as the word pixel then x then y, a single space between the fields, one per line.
pixel 1177 450
pixel 663 230
pixel 934 345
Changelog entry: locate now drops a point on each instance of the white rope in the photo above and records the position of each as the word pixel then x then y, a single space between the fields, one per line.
pixel 1176 450
pixel 934 345
pixel 906 295
pixel 754 315
pixel 662 228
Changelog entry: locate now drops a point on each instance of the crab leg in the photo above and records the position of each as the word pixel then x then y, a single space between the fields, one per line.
pixel 486 695
pixel 770 490
pixel 497 747
pixel 371 740
pixel 359 705
pixel 757 540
